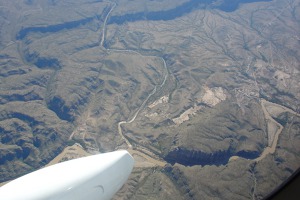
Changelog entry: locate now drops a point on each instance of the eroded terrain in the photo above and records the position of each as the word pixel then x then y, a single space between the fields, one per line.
pixel 204 94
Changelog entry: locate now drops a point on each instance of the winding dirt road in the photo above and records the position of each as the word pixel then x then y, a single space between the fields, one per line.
pixel 271 149
pixel 268 150
pixel 272 137
pixel 136 151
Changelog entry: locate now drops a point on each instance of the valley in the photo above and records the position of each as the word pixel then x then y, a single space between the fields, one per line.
pixel 204 94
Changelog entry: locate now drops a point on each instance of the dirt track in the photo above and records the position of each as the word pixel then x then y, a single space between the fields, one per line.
pixel 270 109
pixel 271 149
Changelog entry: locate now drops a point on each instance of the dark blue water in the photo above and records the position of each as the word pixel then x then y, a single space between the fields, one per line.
pixel 226 6
pixel 52 28
pixel 160 15
pixel 232 5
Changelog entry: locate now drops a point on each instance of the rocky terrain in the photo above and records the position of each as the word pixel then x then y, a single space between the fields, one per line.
pixel 204 94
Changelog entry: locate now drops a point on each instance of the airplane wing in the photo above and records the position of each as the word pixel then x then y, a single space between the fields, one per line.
pixel 96 177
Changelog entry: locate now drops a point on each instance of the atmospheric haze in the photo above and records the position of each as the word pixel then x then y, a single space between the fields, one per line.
pixel 203 93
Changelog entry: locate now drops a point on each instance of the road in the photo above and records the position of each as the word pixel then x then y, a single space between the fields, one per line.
pixel 136 151
pixel 271 149
pixel 104 25
pixel 268 150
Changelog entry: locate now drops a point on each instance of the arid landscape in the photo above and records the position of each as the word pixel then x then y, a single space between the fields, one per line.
pixel 204 94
